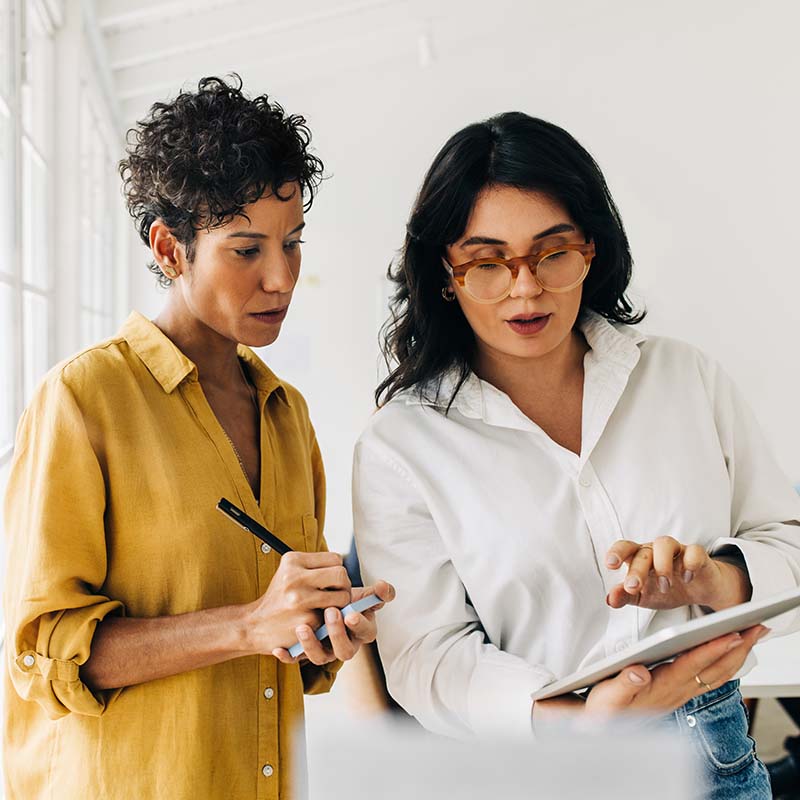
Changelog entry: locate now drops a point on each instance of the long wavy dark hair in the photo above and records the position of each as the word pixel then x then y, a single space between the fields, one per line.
pixel 425 337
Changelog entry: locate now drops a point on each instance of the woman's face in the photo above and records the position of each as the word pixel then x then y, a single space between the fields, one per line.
pixel 530 323
pixel 241 279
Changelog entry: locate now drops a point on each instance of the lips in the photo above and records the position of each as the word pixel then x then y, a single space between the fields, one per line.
pixel 527 317
pixel 528 324
pixel 271 315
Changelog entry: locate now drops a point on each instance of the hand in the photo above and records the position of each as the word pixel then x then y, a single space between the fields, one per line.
pixel 671 685
pixel 668 574
pixel 303 584
pixel 346 635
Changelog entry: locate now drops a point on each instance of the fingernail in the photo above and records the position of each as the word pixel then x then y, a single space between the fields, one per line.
pixel 635 677
pixel 664 584
pixel 613 561
pixel 331 614
pixel 608 598
pixel 351 619
pixel 687 576
pixel 303 633
pixel 735 641
pixel 631 583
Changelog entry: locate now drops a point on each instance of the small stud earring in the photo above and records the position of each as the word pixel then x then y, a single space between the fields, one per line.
pixel 448 294
pixel 170 272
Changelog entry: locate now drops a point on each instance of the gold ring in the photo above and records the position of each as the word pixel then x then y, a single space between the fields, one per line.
pixel 701 682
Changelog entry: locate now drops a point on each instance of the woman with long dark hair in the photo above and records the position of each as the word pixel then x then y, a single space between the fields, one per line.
pixel 531 442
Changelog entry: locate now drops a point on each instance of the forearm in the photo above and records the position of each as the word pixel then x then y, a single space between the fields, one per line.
pixel 129 651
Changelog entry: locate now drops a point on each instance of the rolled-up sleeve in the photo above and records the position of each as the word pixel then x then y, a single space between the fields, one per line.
pixel 439 665
pixel 765 509
pixel 54 524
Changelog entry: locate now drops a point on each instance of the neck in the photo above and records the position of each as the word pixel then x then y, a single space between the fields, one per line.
pixel 548 374
pixel 214 355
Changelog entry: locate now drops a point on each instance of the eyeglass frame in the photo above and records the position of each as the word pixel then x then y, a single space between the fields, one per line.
pixel 459 273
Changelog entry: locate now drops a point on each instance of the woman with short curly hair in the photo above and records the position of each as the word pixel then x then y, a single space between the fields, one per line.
pixel 148 635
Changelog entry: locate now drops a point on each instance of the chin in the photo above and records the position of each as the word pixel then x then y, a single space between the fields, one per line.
pixel 263 339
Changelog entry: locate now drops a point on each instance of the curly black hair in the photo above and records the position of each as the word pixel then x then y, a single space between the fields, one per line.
pixel 198 160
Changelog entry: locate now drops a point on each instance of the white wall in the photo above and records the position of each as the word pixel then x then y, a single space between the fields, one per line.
pixel 689 107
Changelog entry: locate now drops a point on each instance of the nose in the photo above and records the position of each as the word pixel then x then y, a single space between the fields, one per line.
pixel 526 284
pixel 277 275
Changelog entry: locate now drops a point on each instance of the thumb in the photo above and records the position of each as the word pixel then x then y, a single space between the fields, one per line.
pixel 629 684
pixel 619 693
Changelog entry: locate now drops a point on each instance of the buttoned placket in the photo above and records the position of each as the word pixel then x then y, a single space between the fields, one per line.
pixel 266 564
pixel 605 378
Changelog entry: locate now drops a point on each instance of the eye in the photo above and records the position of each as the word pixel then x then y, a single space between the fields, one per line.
pixel 488 266
pixel 248 252
pixel 294 244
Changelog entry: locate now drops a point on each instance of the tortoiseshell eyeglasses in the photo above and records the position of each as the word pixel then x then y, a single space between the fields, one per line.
pixel 559 268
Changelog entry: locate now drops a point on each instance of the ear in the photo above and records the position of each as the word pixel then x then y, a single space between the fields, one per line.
pixel 167 250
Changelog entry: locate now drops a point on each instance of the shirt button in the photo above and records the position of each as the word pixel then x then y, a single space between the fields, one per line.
pixel 269 693
pixel 265 548
pixel 28 660
pixel 621 645
pixel 691 721
pixel 267 770
pixel 585 482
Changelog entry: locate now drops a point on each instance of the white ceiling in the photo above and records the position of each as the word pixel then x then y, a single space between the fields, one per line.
pixel 154 47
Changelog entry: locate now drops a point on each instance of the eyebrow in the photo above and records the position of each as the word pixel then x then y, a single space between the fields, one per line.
pixel 256 235
pixel 561 227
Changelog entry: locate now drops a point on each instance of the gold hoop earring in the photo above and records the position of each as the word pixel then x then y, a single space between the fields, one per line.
pixel 170 272
pixel 448 294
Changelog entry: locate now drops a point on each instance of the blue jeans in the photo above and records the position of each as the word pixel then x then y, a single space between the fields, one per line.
pixel 716 724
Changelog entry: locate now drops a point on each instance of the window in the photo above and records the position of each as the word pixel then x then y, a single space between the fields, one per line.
pixel 36 100
pixel 97 223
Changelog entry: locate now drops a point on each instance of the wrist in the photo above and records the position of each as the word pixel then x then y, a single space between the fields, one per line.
pixel 734 585
pixel 243 628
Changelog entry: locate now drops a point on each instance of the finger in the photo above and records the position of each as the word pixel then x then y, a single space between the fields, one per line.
pixel 311 560
pixel 362 627
pixel 330 578
pixel 341 644
pixel 284 656
pixel 619 692
pixel 665 551
pixel 722 670
pixel 639 569
pixel 322 598
pixel 701 658
pixel 619 552
pixel 619 598
pixel 695 558
pixel 314 650
pixel 382 589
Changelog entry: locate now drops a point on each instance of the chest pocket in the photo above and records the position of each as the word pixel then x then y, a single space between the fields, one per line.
pixel 310 532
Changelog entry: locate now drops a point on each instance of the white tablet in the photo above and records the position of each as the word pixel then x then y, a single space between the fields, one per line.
pixel 671 642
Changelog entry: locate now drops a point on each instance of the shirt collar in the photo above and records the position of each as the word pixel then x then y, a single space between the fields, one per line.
pixel 615 346
pixel 170 367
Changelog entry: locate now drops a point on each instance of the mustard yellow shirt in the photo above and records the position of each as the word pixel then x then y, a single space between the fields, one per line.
pixel 110 509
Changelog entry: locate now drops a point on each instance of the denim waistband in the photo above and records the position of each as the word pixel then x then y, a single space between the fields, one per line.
pixel 707 698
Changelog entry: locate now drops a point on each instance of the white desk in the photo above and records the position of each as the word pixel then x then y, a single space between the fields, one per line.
pixel 778 670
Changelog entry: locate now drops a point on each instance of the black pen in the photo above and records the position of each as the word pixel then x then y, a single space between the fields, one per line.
pixel 249 524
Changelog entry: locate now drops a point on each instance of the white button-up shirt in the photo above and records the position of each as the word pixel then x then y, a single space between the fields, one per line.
pixel 495 536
